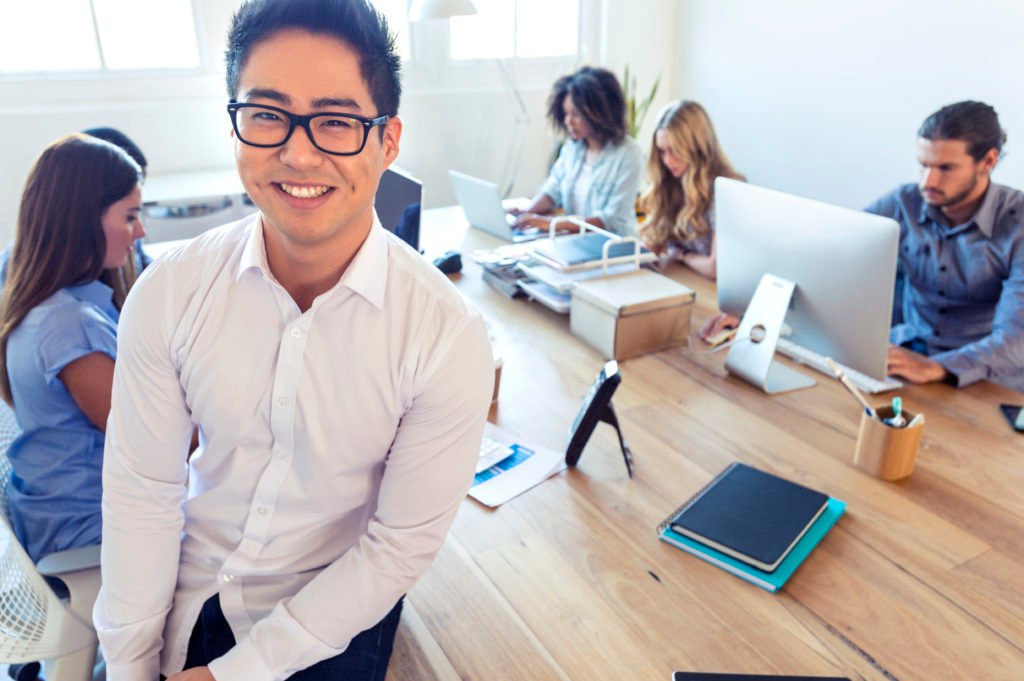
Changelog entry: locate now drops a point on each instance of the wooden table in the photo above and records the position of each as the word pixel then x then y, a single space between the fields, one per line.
pixel 921 579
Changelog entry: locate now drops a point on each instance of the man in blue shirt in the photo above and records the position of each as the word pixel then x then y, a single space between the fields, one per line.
pixel 961 256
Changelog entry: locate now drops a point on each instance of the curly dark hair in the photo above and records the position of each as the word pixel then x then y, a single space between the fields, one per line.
pixel 597 95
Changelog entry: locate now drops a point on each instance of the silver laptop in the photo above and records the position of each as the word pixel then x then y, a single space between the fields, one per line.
pixel 481 202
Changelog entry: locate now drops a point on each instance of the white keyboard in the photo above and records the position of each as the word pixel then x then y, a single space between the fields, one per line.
pixel 799 353
pixel 491 453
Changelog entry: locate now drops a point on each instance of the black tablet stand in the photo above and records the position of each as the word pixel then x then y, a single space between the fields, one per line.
pixel 597 407
pixel 608 416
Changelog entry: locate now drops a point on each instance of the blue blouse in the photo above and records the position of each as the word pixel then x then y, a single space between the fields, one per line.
pixel 614 183
pixel 55 486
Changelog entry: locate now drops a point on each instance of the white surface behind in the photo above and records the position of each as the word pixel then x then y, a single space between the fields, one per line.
pixel 824 99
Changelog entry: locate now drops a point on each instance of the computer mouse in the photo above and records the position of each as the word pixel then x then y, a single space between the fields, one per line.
pixel 449 263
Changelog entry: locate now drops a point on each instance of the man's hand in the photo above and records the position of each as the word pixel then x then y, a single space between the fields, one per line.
pixel 913 366
pixel 193 674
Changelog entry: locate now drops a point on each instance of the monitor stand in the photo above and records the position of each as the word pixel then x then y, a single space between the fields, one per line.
pixel 752 353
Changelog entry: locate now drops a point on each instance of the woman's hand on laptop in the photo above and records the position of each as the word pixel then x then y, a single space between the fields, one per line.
pixel 514 211
pixel 527 220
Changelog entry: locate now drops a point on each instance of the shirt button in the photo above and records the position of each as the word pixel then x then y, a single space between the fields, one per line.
pixel 224 578
pixel 937 333
pixel 942 310
pixel 296 332
pixel 942 292
pixel 942 268
pixel 279 452
pixel 262 510
pixel 283 401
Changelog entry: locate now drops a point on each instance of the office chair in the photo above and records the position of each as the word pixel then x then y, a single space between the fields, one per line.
pixel 36 623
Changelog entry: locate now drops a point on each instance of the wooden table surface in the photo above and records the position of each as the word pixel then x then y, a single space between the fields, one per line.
pixel 920 579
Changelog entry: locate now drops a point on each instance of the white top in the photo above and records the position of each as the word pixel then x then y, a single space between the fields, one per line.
pixel 580 188
pixel 336 446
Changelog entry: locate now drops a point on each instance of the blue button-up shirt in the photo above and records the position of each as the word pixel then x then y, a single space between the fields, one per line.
pixel 614 183
pixel 964 284
pixel 55 487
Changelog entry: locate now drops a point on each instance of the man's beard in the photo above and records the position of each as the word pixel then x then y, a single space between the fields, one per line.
pixel 957 198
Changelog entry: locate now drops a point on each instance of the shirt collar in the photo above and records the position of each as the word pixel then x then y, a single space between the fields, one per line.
pixel 984 217
pixel 366 275
pixel 254 254
pixel 95 292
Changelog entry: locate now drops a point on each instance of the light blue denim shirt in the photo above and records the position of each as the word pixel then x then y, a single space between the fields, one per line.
pixel 614 183
pixel 964 285
pixel 55 486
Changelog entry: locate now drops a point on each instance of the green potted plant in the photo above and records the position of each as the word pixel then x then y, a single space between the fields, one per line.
pixel 636 109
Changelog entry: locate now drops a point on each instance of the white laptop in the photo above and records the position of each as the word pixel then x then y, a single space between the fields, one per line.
pixel 481 202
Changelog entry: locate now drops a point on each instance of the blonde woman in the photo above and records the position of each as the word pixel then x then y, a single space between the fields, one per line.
pixel 684 161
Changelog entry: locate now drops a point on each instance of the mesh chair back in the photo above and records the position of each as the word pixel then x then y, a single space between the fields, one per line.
pixel 34 623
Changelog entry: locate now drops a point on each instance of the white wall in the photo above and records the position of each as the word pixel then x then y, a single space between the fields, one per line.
pixel 458 118
pixel 824 99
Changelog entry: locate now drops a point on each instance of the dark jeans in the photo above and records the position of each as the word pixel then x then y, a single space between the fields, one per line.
pixel 365 659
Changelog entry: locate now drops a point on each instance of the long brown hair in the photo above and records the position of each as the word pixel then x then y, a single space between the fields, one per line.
pixel 59 239
pixel 677 208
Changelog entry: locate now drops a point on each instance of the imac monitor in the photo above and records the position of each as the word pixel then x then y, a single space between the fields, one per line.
pixel 398 200
pixel 842 261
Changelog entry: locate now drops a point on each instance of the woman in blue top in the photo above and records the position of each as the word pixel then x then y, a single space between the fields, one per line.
pixel 598 172
pixel 77 225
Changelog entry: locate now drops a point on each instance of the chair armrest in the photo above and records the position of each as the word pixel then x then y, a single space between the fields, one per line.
pixel 72 560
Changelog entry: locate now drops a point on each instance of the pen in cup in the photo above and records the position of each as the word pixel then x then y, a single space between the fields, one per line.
pixel 849 385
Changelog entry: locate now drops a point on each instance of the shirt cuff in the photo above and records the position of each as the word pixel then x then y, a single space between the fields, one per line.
pixel 241 663
pixel 148 668
pixel 965 371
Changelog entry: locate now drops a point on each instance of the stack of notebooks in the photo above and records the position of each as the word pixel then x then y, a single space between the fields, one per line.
pixel 753 524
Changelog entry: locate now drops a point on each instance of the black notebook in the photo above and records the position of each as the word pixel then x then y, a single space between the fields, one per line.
pixel 748 514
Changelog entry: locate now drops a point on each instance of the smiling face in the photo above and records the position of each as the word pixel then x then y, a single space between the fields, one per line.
pixel 308 198
pixel 672 162
pixel 121 227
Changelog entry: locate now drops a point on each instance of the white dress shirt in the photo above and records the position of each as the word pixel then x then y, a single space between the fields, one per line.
pixel 336 446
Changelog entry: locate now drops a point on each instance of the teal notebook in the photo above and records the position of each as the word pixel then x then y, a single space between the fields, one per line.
pixel 770 581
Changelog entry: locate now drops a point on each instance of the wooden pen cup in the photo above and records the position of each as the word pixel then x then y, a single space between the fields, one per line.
pixel 885 451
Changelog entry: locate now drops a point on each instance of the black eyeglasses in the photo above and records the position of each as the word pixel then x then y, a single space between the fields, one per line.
pixel 332 133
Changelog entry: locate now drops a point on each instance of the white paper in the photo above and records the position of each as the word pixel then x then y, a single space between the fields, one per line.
pixel 510 478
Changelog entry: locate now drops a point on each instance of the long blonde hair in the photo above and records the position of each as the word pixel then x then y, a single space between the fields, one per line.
pixel 59 239
pixel 677 208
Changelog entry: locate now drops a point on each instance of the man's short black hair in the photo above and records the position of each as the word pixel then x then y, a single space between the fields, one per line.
pixel 976 123
pixel 355 22
pixel 597 95
pixel 119 139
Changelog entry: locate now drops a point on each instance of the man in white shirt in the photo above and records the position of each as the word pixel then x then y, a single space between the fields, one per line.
pixel 338 381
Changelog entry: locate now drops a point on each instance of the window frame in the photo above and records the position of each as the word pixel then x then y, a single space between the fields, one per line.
pixel 105 73
pixel 430 67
